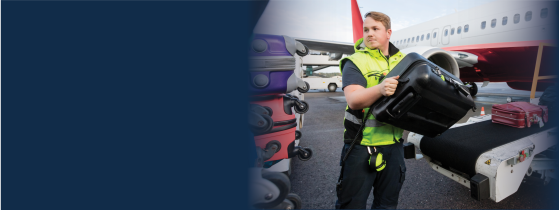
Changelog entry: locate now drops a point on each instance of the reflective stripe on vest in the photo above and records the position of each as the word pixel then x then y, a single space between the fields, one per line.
pixel 369 123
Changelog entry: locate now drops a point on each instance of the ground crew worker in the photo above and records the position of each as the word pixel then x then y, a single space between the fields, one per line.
pixel 374 57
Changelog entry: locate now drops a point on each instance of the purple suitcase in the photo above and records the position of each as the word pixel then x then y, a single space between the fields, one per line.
pixel 272 64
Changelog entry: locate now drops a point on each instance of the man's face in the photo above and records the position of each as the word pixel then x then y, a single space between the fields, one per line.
pixel 375 34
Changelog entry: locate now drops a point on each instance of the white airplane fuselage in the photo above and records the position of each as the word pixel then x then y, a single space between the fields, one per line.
pixel 506 47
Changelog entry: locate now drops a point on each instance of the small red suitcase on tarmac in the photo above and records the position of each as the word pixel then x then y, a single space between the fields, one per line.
pixel 519 114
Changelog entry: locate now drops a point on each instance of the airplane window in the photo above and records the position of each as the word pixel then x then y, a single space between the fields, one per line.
pixel 412 39
pixel 446 32
pixel 543 13
pixel 528 16
pixel 483 24
pixel 452 31
pixel 428 35
pixel 505 19
pixel 435 35
pixel 493 23
pixel 516 18
pixel 422 35
pixel 466 28
pixel 459 30
pixel 417 38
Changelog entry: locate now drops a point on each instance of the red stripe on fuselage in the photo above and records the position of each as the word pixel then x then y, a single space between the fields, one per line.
pixel 507 61
pixel 500 45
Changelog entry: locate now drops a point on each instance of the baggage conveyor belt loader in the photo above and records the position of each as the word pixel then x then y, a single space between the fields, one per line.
pixel 490 159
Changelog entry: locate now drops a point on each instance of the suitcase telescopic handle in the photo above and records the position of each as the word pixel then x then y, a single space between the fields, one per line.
pixel 461 89
pixel 456 84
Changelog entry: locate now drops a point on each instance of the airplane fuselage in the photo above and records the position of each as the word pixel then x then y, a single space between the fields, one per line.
pixel 505 35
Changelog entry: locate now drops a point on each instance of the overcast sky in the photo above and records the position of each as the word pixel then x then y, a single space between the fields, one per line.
pixel 331 19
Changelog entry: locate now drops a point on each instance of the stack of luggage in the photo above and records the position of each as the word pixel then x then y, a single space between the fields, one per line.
pixel 271 114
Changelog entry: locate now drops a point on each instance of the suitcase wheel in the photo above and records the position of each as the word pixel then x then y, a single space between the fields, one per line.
pixel 304 90
pixel 263 110
pixel 263 125
pixel 286 204
pixel 303 53
pixel 295 199
pixel 301 107
pixel 298 134
pixel 271 149
pixel 284 186
pixel 305 153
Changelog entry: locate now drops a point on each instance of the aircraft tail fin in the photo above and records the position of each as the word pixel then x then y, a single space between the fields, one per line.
pixel 357 21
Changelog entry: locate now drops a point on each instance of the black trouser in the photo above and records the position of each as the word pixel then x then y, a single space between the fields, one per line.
pixel 358 178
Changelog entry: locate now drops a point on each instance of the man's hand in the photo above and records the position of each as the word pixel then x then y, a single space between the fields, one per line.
pixel 388 86
pixel 359 97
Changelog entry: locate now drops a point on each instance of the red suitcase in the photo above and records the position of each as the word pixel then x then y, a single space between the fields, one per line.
pixel 281 138
pixel 518 114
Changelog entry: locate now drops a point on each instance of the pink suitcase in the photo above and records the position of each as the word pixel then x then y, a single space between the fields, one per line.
pixel 519 114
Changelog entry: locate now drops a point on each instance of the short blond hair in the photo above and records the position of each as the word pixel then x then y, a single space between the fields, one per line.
pixel 380 17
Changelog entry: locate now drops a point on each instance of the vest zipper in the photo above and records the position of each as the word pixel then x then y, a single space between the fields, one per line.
pixel 387 63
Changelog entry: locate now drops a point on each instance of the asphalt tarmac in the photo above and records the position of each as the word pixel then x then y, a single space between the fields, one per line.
pixel 314 180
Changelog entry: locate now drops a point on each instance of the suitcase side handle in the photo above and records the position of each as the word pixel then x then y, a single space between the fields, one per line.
pixel 402 105
pixel 403 81
pixel 387 112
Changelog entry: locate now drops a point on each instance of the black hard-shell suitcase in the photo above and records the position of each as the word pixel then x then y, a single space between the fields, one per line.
pixel 428 99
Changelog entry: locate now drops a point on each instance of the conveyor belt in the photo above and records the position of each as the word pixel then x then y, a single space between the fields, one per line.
pixel 459 148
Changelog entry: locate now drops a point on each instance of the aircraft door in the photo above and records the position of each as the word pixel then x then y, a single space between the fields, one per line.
pixel 445 35
pixel 435 37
